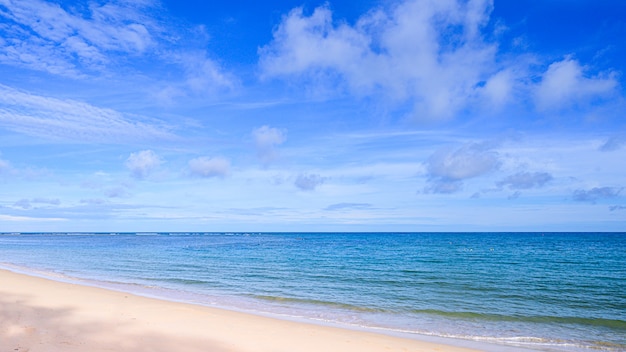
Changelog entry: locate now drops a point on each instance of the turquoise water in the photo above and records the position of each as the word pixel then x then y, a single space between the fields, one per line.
pixel 548 292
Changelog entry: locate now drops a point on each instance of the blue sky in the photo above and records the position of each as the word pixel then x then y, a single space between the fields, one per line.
pixel 420 115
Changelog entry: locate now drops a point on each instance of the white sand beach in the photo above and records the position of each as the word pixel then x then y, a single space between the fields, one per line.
pixel 43 315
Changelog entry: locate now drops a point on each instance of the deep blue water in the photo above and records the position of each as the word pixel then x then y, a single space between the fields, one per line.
pixel 551 292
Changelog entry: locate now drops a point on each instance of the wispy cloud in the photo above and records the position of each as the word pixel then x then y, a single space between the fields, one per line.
pixel 73 40
pixel 110 39
pixel 72 120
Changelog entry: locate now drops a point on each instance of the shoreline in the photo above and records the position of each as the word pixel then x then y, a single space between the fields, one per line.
pixel 428 287
pixel 43 314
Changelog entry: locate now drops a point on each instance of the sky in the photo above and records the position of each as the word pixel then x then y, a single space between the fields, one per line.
pixel 297 115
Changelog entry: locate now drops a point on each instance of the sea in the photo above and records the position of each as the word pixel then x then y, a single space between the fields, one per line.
pixel 517 291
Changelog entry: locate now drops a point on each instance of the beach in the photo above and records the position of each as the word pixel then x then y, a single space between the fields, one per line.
pixel 43 315
pixel 489 292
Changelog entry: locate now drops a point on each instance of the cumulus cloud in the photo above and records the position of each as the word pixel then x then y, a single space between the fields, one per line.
pixel 142 163
pixel 448 168
pixel 308 182
pixel 596 193
pixel 435 58
pixel 525 180
pixel 428 53
pixel 209 167
pixel 266 139
pixel 72 120
pixel 565 84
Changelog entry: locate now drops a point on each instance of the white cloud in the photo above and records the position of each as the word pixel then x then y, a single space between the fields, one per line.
pixel 565 84
pixel 448 168
pixel 112 38
pixel 426 52
pixel 71 120
pixel 308 182
pixel 434 57
pixel 70 38
pixel 266 139
pixel 209 167
pixel 142 163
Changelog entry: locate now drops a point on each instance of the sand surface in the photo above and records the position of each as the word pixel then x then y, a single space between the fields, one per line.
pixel 42 315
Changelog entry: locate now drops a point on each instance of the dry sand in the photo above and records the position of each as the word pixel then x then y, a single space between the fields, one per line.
pixel 42 315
